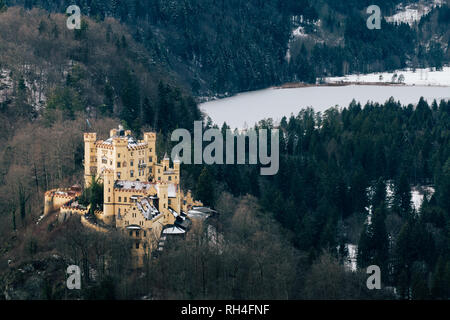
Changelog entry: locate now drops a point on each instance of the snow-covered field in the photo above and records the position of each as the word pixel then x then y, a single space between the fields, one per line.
pixel 412 13
pixel 419 77
pixel 246 109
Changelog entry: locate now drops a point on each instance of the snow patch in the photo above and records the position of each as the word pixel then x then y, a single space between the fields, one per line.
pixel 412 13
pixel 418 193
pixel 411 77
pixel 352 250
pixel 299 32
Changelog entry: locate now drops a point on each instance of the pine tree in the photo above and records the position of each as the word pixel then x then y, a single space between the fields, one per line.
pixel 419 287
pixel 438 290
pixel 205 188
pixel 443 190
pixel 108 100
pixel 379 196
pixel 402 196
pixel 380 238
pixel 373 248
pixel 3 6
pixel 130 96
pixel 148 113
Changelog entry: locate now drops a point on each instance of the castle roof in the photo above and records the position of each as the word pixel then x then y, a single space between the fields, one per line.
pixel 147 208
pixel 200 212
pixel 172 229
pixel 132 185
pixel 132 142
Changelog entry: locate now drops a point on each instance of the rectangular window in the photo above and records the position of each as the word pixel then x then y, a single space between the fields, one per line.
pixel 131 173
pixel 118 164
pixel 120 199
pixel 118 155
pixel 131 233
pixel 124 200
pixel 131 163
pixel 137 233
pixel 137 245
pixel 118 175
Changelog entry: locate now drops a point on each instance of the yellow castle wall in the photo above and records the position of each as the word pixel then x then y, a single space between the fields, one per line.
pixel 121 161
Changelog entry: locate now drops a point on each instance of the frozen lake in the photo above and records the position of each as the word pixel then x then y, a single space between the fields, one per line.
pixel 246 109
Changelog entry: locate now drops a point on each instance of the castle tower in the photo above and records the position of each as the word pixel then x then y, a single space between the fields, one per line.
pixel 90 157
pixel 119 154
pixel 176 166
pixel 166 162
pixel 150 138
pixel 163 195
pixel 48 204
pixel 108 197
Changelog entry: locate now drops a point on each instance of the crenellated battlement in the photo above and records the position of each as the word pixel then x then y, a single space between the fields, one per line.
pixel 90 137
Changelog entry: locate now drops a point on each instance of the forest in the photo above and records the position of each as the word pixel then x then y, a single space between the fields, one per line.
pixel 228 46
pixel 282 236
pixel 335 171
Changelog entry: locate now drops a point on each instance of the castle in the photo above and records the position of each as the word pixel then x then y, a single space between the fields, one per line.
pixel 142 197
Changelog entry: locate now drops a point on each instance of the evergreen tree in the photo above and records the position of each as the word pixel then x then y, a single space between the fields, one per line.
pixel 402 196
pixel 379 196
pixel 130 96
pixel 205 188
pixel 373 248
pixel 3 6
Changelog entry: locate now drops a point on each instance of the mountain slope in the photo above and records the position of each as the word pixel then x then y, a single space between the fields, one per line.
pixel 236 45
